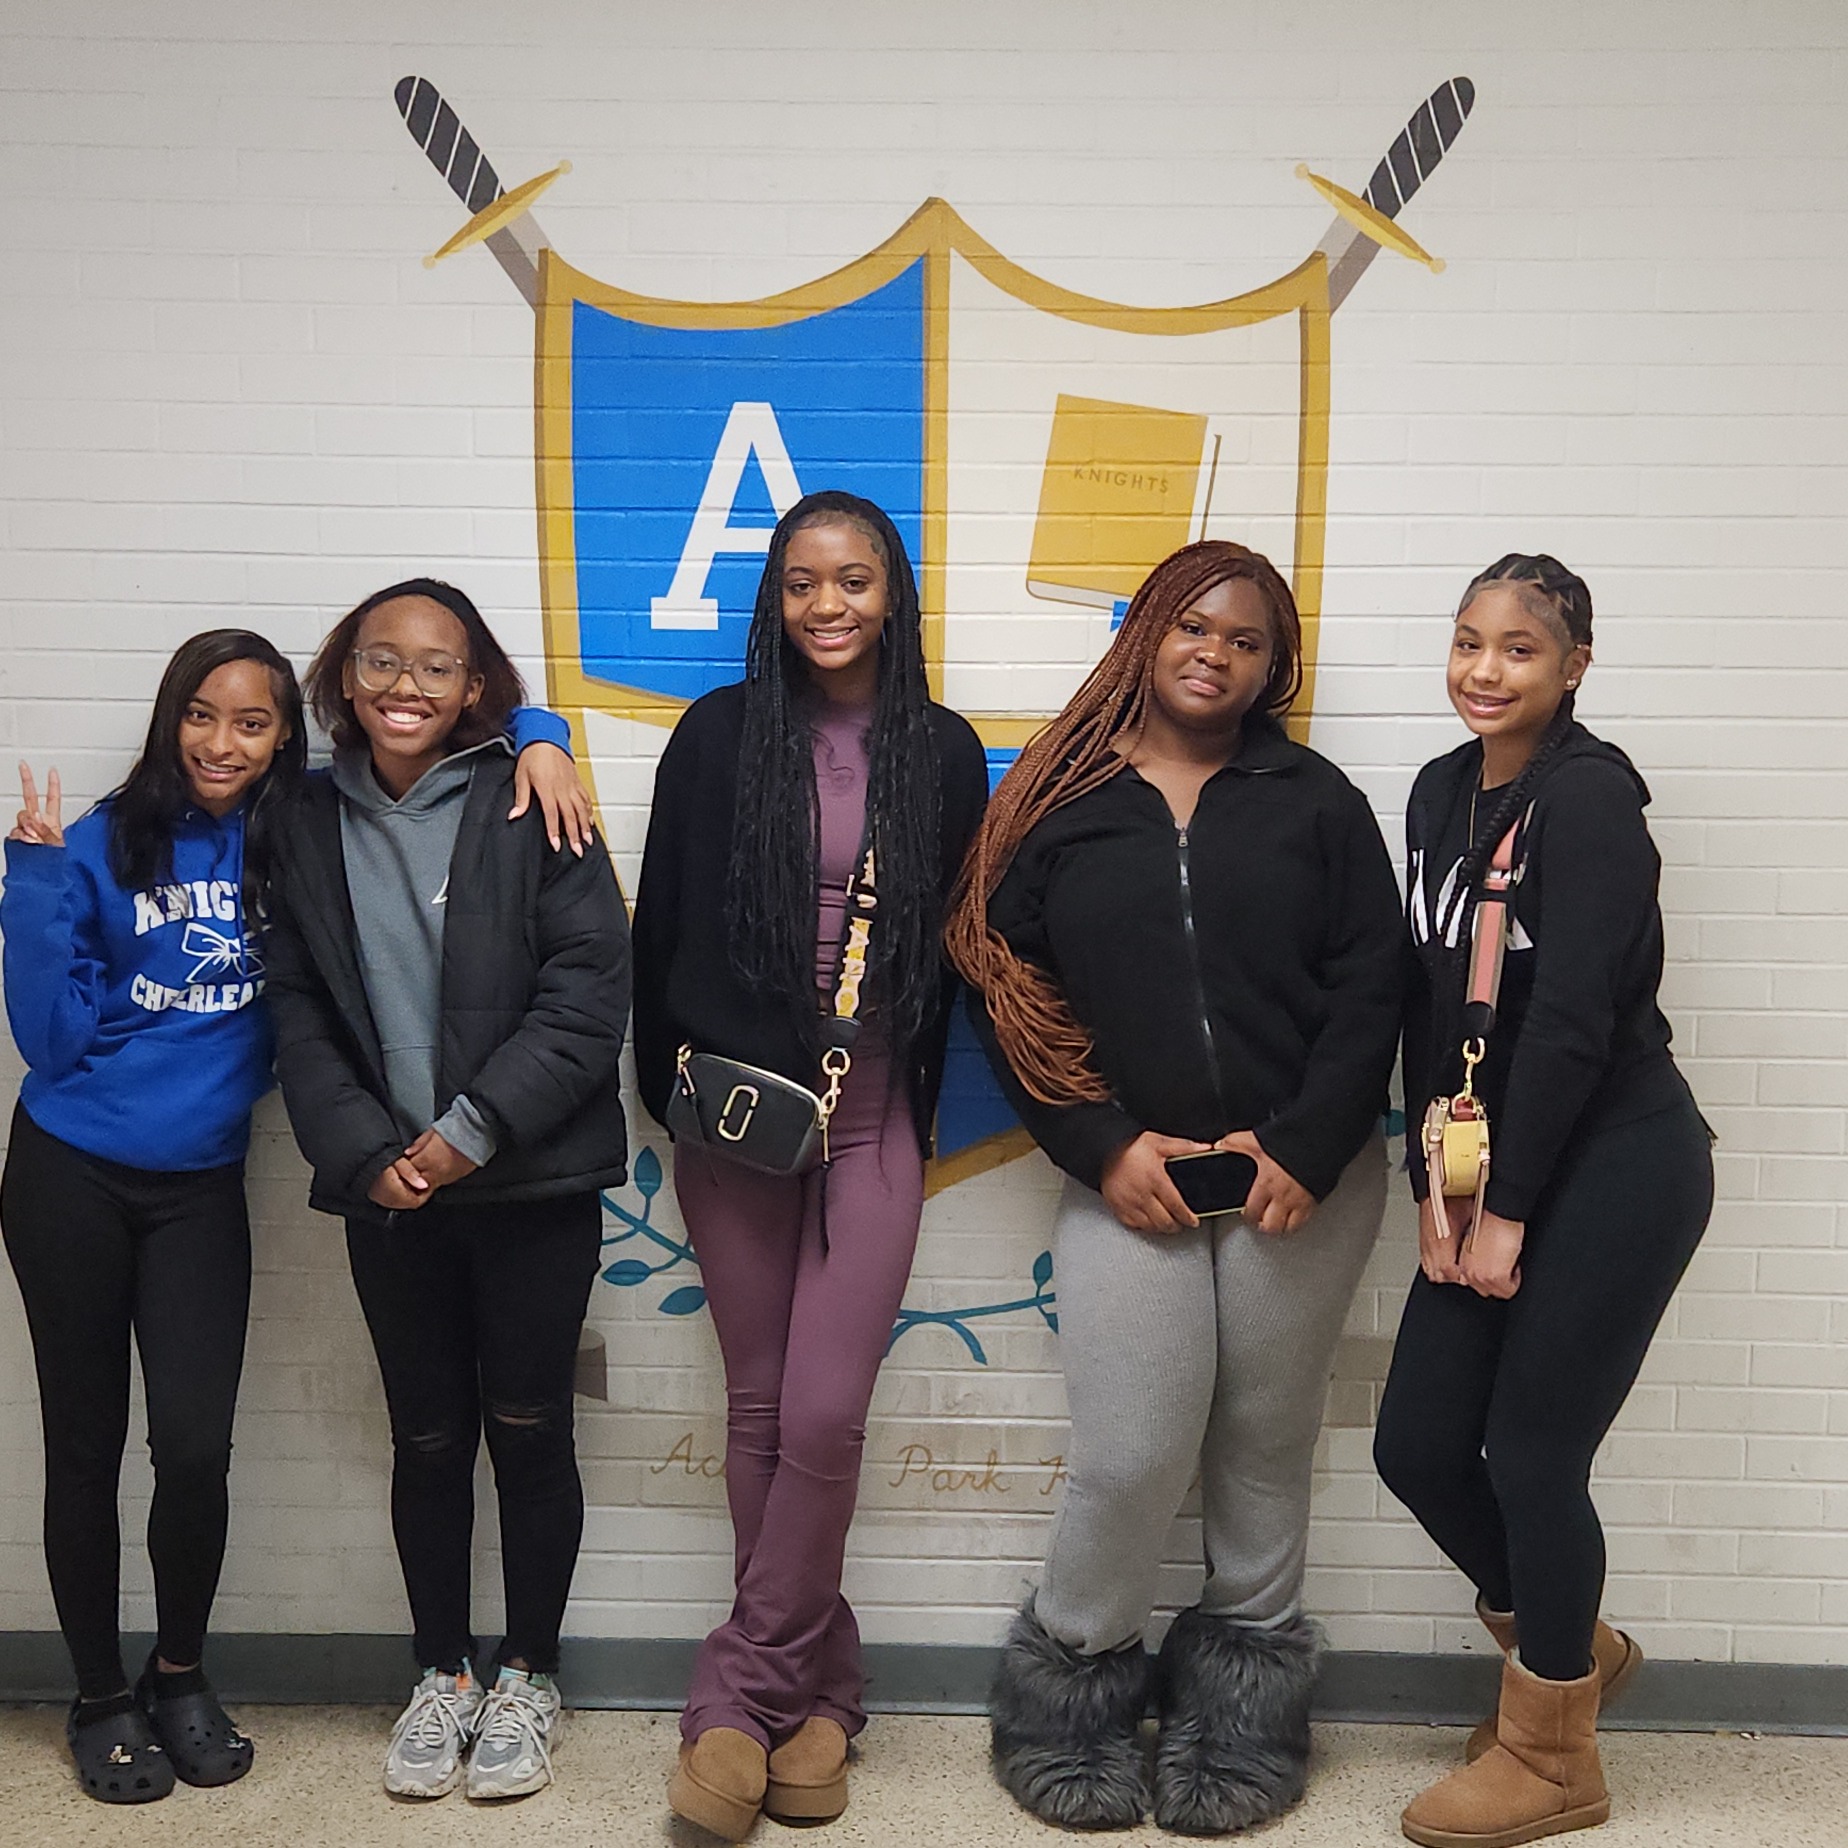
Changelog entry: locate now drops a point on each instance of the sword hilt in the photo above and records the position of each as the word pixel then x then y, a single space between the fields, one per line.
pixel 457 156
pixel 450 148
pixel 1409 162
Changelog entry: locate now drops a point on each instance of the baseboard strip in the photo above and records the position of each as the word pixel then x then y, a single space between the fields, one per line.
pixel 650 1673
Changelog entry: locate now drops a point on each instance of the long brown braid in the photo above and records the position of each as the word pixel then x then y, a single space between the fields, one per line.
pixel 1047 1046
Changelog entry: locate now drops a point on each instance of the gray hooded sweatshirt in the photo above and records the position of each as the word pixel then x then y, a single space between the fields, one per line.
pixel 397 868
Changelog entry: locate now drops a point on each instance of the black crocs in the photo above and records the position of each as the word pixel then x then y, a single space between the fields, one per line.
pixel 118 1758
pixel 203 1745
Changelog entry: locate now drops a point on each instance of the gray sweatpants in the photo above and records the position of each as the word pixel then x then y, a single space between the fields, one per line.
pixel 1204 1350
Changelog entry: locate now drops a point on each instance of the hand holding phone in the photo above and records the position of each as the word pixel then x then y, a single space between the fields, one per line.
pixel 1218 1181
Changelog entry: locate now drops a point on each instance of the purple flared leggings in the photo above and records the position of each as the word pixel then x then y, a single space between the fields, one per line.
pixel 803 1332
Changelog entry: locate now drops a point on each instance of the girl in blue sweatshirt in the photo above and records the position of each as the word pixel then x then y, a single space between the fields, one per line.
pixel 134 971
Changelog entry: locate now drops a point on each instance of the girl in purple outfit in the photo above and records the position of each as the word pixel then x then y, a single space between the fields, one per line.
pixel 763 798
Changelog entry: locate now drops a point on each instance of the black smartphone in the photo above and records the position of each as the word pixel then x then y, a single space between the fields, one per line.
pixel 1216 1182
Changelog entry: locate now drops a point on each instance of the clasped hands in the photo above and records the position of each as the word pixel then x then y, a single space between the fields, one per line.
pixel 1486 1260
pixel 410 1182
pixel 1138 1189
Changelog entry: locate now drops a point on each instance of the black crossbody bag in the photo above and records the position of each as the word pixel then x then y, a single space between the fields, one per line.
pixel 760 1119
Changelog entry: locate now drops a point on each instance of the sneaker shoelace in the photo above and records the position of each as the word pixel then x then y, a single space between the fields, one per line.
pixel 512 1717
pixel 435 1720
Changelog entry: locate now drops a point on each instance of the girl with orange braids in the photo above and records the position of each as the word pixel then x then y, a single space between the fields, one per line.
pixel 1184 927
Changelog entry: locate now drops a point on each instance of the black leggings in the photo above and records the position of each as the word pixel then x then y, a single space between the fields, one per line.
pixel 474 1307
pixel 99 1249
pixel 1493 1410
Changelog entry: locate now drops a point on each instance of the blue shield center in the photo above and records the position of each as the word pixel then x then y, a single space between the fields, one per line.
pixel 688 442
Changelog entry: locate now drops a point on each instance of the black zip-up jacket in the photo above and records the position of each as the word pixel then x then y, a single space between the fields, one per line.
pixel 1579 1042
pixel 535 988
pixel 686 992
pixel 1240 973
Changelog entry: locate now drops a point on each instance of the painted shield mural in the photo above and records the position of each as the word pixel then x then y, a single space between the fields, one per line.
pixel 1039 450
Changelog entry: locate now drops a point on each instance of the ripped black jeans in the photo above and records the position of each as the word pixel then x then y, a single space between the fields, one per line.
pixel 474 1313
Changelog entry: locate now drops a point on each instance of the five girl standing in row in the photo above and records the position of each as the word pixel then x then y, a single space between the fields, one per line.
pixel 1182 928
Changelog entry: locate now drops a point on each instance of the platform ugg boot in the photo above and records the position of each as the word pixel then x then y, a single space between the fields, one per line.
pixel 1234 1703
pixel 1066 1728
pixel 1616 1654
pixel 719 1782
pixel 807 1776
pixel 1541 1777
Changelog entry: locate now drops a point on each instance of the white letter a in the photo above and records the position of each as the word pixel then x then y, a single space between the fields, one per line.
pixel 750 430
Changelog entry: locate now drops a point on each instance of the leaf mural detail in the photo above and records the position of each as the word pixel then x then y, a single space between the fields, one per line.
pixel 624 1225
pixel 632 1227
pixel 957 1320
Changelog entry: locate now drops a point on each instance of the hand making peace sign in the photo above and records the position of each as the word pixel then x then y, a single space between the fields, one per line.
pixel 44 826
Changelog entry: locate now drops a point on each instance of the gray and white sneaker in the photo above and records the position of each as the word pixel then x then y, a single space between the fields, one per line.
pixel 429 1744
pixel 515 1731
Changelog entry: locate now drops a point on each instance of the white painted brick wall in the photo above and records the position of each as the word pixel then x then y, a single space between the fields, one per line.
pixel 230 392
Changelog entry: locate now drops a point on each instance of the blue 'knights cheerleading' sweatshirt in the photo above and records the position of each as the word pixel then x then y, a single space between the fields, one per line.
pixel 133 1009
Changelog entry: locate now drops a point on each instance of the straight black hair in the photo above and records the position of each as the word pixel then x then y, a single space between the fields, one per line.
pixel 772 888
pixel 147 807
pixel 502 688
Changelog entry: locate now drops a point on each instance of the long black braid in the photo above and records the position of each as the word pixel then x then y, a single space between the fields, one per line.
pixel 1553 594
pixel 772 896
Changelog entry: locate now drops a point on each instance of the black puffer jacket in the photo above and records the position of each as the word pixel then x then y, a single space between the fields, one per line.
pixel 535 997
pixel 1241 973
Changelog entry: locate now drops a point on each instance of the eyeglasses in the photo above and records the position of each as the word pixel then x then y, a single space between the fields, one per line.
pixel 378 670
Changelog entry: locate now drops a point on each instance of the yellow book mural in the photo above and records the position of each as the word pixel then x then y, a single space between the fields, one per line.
pixel 1117 497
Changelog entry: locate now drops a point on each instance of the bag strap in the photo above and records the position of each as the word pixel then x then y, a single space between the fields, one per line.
pixel 1489 933
pixel 842 1025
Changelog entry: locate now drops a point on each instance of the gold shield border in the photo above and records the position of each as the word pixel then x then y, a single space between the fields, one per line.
pixel 934 233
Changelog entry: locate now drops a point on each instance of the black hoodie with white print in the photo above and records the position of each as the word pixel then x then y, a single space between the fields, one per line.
pixel 1579 1042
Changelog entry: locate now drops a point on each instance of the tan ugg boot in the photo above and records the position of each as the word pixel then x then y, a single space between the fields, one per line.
pixel 719 1782
pixel 1542 1776
pixel 1616 1654
pixel 808 1773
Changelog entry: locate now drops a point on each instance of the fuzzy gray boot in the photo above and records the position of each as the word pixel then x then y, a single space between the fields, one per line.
pixel 1066 1728
pixel 1234 1701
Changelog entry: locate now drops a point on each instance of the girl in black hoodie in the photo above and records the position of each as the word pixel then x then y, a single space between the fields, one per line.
pixel 1522 1336
pixel 1185 930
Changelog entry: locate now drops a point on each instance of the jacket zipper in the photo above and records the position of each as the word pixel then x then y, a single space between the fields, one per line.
pixel 1193 957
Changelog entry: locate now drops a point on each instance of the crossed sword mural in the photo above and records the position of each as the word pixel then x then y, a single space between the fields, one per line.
pixel 1364 223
